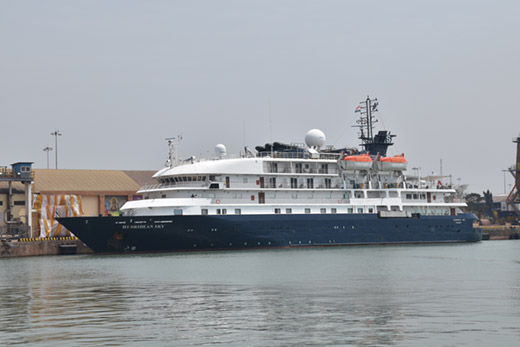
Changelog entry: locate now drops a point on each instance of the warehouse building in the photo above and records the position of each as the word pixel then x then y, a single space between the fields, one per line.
pixel 102 192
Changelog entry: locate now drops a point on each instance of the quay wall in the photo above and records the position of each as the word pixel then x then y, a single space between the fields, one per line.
pixel 500 232
pixel 38 247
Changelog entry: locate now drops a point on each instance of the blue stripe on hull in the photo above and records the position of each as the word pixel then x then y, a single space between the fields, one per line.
pixel 188 233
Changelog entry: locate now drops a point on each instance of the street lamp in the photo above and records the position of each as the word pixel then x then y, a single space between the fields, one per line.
pixel 56 134
pixel 504 171
pixel 47 149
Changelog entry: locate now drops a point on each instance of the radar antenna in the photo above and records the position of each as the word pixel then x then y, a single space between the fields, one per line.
pixel 173 143
pixel 372 144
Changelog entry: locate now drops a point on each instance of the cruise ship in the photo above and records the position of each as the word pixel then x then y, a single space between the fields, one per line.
pixel 284 196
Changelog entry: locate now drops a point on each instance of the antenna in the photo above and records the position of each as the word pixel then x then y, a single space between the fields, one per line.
pixel 372 144
pixel 173 143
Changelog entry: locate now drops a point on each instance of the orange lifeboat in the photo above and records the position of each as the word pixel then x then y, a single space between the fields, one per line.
pixel 357 162
pixel 395 163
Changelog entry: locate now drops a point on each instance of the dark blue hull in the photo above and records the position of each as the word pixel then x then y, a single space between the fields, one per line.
pixel 188 233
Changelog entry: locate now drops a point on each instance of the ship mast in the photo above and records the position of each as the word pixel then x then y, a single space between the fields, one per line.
pixel 372 144
pixel 173 143
pixel 367 120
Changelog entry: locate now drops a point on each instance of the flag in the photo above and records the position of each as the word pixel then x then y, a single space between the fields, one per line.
pixel 374 106
pixel 358 108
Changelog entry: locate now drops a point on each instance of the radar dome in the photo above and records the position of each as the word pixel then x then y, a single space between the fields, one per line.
pixel 315 138
pixel 220 150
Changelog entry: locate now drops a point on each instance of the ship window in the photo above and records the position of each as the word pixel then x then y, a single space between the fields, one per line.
pixel 272 196
pixel 238 211
pixel 415 196
pixel 409 196
pixel 328 182
pixel 333 210
pixel 288 210
pixel 370 210
pixel 177 212
pixel 310 183
pixel 163 196
pixel 346 196
pixel 244 179
pixel 359 210
pixel 213 186
pixel 204 211
pixel 219 211
pixel 184 179
pixel 323 210
pixel 189 179
pixel 277 211
pixel 350 210
pixel 299 168
pixel 423 196
pixel 307 210
pixel 224 211
pixel 294 196
pixel 211 178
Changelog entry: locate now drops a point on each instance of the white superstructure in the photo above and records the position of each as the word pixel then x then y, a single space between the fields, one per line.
pixel 295 181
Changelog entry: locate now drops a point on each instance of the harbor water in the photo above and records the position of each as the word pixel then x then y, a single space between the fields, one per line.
pixel 415 295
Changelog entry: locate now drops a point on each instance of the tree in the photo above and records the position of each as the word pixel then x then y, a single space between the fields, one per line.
pixel 475 205
pixel 488 203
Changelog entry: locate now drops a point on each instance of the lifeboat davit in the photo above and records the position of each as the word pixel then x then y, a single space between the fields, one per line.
pixel 395 163
pixel 357 162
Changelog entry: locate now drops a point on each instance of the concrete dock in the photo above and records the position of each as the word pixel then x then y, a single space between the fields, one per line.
pixel 36 247
pixel 500 232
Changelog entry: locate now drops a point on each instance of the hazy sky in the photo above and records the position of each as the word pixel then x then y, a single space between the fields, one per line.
pixel 118 77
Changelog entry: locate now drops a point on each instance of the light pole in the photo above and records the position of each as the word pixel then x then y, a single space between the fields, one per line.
pixel 47 149
pixel 56 134
pixel 504 171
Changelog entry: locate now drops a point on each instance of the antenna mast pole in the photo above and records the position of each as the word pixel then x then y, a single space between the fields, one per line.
pixel 173 143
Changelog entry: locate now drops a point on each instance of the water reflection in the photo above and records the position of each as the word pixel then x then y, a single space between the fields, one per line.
pixel 358 296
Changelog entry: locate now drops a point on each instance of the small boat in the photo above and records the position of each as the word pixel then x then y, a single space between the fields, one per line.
pixel 394 163
pixel 357 162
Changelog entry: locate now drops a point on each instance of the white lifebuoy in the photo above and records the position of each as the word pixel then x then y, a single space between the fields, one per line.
pixel 217 201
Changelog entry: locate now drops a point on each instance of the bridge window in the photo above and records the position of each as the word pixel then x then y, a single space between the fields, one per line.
pixel 204 211
pixel 177 211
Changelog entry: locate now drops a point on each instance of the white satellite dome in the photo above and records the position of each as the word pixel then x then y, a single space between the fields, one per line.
pixel 315 138
pixel 220 150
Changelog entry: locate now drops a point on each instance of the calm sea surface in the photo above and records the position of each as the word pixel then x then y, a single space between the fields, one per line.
pixel 442 295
